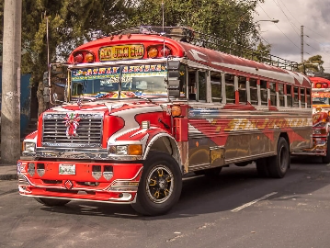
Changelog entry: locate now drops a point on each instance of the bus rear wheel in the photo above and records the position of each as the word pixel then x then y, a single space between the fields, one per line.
pixel 160 185
pixel 280 163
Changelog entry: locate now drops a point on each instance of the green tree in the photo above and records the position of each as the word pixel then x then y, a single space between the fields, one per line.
pixel 261 53
pixel 230 20
pixel 312 64
pixel 70 23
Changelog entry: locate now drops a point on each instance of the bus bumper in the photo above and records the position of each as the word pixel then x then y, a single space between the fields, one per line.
pixel 76 180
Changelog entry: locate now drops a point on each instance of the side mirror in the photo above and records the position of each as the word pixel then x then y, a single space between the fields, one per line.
pixel 173 81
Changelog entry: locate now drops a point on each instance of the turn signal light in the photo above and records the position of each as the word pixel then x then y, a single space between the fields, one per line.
pixel 135 149
pixel 176 111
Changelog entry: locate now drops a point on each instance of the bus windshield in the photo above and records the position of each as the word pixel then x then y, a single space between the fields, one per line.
pixel 321 98
pixel 119 82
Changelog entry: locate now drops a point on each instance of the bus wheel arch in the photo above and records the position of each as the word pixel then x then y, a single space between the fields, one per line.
pixel 165 144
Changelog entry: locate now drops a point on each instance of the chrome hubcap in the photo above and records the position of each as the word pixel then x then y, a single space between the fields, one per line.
pixel 160 183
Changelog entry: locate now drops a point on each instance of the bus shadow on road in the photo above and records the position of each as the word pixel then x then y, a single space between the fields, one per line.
pixel 232 188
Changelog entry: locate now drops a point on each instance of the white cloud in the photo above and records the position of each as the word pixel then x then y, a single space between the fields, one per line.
pixel 285 36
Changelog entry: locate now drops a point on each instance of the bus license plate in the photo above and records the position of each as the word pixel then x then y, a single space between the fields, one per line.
pixel 67 169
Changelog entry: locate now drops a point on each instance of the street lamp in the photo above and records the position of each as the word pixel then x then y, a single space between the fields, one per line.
pixel 275 21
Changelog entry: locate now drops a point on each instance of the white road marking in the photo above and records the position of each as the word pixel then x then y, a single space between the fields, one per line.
pixel 252 202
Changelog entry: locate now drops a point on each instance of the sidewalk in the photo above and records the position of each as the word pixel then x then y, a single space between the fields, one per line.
pixel 8 172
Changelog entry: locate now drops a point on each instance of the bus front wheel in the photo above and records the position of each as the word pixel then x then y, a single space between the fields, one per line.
pixel 160 185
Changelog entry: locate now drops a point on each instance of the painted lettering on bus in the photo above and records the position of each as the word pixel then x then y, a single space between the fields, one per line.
pixel 121 52
pixel 246 124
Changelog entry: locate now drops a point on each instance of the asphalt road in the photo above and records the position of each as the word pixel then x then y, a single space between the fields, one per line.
pixel 237 210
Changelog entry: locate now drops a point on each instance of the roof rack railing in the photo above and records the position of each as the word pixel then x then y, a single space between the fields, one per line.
pixel 187 34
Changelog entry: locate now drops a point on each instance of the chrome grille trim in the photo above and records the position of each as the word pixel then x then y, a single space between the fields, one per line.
pixel 89 130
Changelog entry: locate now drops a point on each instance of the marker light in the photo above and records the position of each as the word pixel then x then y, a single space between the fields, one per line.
pixel 165 52
pixel 89 57
pixel 78 58
pixel 152 52
pixel 176 111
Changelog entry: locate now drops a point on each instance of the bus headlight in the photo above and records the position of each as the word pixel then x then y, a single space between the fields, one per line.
pixel 133 149
pixel 29 147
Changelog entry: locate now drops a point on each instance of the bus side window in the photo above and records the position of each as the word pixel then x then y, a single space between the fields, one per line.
pixel 183 81
pixel 191 84
pixel 216 86
pixel 289 95
pixel 281 94
pixel 242 89
pixel 295 96
pixel 230 88
pixel 308 93
pixel 253 91
pixel 302 97
pixel 202 86
pixel 263 92
pixel 273 100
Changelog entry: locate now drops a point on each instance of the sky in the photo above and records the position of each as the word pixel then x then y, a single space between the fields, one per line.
pixel 285 36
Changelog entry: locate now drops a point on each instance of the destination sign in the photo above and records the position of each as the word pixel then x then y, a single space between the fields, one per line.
pixel 121 52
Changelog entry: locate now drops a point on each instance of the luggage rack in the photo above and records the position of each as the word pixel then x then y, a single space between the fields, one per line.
pixel 187 34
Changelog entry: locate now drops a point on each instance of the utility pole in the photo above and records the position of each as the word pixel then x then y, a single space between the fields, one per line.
pixel 302 45
pixel 11 81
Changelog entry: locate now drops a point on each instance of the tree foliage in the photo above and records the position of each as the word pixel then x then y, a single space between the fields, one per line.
pixel 70 23
pixel 312 64
pixel 230 20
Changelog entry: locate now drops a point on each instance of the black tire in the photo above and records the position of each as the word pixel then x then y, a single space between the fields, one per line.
pixel 280 163
pixel 160 185
pixel 326 158
pixel 51 202
pixel 262 167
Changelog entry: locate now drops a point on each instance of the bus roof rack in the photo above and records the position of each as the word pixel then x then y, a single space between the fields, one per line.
pixel 187 34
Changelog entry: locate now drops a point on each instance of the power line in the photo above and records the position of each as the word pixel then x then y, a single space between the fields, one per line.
pixel 279 28
pixel 298 21
pixel 294 27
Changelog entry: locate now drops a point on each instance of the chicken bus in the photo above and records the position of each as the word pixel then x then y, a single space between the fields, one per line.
pixel 145 107
pixel 321 113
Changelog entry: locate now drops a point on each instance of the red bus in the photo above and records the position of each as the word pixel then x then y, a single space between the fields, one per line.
pixel 145 108
pixel 321 112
